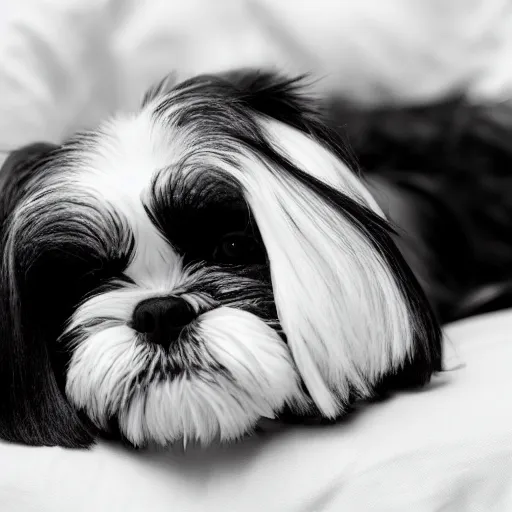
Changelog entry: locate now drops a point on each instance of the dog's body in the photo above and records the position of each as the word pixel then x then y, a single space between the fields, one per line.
pixel 214 259
pixel 444 174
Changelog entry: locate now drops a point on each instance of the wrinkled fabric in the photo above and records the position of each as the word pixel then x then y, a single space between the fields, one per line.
pixel 66 64
pixel 447 447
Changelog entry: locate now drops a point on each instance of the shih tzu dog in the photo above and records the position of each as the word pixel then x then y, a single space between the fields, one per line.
pixel 211 260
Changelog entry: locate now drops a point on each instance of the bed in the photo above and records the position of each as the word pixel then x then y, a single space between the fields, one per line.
pixel 448 447
pixel 68 63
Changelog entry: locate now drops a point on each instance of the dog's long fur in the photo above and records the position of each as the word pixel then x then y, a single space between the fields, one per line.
pixel 324 310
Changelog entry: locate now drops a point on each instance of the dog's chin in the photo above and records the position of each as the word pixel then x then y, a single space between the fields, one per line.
pixel 224 373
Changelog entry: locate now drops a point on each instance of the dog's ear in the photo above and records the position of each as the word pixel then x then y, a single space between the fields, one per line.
pixel 354 315
pixel 33 408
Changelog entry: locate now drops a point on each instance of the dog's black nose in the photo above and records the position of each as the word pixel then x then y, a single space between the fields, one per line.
pixel 162 318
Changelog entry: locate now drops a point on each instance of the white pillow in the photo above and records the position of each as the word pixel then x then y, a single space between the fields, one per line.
pixel 66 64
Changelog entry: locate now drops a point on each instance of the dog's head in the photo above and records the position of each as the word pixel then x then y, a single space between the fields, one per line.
pixel 184 271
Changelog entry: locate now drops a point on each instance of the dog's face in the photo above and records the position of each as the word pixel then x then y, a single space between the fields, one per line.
pixel 182 272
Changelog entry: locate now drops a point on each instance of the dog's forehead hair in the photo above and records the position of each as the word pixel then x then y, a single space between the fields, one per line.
pixel 132 159
pixel 171 135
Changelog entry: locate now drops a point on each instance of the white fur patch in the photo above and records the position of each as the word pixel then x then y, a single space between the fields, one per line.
pixel 117 172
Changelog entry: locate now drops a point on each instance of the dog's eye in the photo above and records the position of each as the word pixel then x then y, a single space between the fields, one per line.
pixel 237 248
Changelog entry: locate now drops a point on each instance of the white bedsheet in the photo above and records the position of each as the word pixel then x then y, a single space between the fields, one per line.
pixel 448 447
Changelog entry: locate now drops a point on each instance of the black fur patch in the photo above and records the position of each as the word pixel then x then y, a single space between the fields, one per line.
pixel 33 408
pixel 453 161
